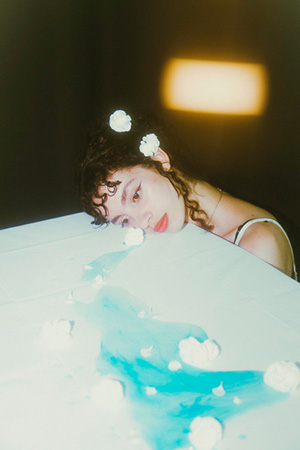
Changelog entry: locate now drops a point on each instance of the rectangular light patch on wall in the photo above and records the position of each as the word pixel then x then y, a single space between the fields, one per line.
pixel 214 87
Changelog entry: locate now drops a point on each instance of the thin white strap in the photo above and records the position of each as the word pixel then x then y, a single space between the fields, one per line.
pixel 265 219
pixel 247 224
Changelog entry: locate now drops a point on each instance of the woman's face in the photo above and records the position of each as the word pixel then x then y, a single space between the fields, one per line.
pixel 145 199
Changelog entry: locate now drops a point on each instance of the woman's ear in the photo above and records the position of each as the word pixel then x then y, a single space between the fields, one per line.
pixel 163 158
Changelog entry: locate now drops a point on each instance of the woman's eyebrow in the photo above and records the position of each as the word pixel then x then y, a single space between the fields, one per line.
pixel 123 199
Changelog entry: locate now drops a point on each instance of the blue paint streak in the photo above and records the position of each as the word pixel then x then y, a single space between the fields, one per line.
pixel 165 418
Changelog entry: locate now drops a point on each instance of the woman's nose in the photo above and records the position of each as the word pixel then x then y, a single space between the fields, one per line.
pixel 143 220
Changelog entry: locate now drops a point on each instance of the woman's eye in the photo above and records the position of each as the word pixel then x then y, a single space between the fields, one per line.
pixel 125 222
pixel 137 194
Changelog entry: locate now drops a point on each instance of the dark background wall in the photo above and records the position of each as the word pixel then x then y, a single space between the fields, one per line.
pixel 65 62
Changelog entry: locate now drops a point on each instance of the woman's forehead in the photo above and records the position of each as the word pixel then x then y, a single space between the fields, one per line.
pixel 120 174
pixel 128 171
pixel 124 175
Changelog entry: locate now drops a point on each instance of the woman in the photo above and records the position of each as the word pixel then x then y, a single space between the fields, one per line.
pixel 125 177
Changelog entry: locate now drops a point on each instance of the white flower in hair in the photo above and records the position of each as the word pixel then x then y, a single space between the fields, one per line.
pixel 120 121
pixel 149 144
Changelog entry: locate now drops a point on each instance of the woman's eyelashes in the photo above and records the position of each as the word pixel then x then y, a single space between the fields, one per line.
pixel 125 222
pixel 137 194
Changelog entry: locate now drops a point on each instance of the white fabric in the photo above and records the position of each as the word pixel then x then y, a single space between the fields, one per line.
pixel 251 309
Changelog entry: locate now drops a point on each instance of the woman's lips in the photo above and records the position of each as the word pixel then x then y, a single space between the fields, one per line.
pixel 162 224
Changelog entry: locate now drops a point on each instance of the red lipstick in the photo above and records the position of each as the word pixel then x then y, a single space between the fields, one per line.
pixel 162 224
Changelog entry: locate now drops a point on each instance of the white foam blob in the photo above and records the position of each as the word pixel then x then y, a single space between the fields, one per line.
pixel 99 280
pixel 237 400
pixel 150 390
pixel 134 236
pixel 107 393
pixel 196 353
pixel 219 391
pixel 283 376
pixel 205 433
pixel 147 352
pixel 174 365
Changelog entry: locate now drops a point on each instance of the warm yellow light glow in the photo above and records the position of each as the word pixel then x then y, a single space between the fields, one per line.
pixel 214 87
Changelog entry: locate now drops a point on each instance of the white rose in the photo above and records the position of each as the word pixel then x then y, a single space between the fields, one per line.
pixel 283 376
pixel 205 433
pixel 134 236
pixel 120 121
pixel 198 354
pixel 149 144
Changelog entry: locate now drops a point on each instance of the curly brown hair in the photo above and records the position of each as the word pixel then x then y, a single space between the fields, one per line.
pixel 108 152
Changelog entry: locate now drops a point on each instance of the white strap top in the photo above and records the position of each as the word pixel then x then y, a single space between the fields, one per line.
pixel 242 228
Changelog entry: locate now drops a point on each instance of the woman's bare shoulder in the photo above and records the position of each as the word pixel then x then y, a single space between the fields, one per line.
pixel 267 241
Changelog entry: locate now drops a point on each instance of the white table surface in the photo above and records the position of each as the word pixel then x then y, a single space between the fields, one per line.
pixel 251 309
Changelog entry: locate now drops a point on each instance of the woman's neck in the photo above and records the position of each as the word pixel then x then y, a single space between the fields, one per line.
pixel 224 213
pixel 208 197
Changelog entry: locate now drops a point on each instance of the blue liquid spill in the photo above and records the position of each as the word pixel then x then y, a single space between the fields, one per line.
pixel 242 436
pixel 104 265
pixel 164 419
